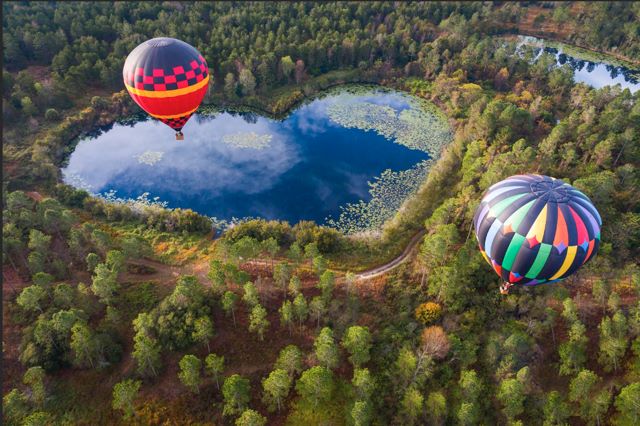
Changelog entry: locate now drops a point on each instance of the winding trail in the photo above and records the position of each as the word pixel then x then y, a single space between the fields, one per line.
pixel 383 269
pixel 167 274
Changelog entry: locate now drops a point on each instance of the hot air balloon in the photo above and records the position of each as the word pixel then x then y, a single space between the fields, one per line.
pixel 168 78
pixel 535 229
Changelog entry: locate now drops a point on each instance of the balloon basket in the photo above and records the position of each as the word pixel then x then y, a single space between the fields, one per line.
pixel 179 136
pixel 504 288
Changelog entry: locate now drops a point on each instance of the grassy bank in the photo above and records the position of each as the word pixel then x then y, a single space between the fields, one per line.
pixel 46 150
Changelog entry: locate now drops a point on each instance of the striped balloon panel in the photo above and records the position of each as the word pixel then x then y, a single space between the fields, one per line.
pixel 167 78
pixel 534 229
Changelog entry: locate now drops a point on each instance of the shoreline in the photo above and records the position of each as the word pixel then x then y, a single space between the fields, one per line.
pixel 213 109
pixel 611 58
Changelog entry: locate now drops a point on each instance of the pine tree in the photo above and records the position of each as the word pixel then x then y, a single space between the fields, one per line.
pixel 124 394
pixel 276 389
pixel 325 348
pixel 189 374
pixel 214 366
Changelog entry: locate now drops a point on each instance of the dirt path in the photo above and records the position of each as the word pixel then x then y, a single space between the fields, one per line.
pixel 378 270
pixel 383 269
pixel 168 274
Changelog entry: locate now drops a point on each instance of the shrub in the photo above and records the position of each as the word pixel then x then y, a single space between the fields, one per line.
pixel 52 115
pixel 428 312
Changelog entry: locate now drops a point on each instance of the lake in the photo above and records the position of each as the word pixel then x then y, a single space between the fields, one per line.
pixel 593 73
pixel 351 156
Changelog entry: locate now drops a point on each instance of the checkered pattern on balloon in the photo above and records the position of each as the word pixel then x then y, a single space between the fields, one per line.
pixel 171 94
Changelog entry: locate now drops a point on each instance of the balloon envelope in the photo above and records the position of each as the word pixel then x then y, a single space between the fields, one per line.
pixel 168 78
pixel 535 229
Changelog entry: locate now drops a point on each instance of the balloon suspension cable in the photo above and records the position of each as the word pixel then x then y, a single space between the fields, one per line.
pixel 179 136
pixel 505 287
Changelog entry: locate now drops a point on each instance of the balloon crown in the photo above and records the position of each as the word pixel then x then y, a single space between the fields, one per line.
pixel 161 41
pixel 551 190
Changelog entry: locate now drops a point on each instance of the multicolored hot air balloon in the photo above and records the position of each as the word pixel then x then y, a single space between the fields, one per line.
pixel 168 78
pixel 535 229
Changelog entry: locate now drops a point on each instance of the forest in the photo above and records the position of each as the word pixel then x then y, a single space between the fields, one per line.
pixel 130 313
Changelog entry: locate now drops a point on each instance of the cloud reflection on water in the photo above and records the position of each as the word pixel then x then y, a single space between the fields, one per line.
pixel 311 167
pixel 184 164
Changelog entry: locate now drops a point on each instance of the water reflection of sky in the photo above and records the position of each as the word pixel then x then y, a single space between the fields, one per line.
pixel 595 74
pixel 311 168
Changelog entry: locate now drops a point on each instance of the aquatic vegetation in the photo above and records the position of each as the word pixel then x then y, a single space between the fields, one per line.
pixel 136 204
pixel 77 181
pixel 365 116
pixel 418 127
pixel 149 157
pixel 248 140
pixel 400 118
pixel 144 202
pixel 388 192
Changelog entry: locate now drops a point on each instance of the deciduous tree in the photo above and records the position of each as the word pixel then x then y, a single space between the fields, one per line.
pixel 287 66
pixel 434 342
pixel 428 312
pixel 406 364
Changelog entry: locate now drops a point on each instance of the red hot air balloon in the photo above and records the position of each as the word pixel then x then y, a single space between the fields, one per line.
pixel 168 78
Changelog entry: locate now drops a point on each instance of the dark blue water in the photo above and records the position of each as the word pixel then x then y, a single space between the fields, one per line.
pixel 304 167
